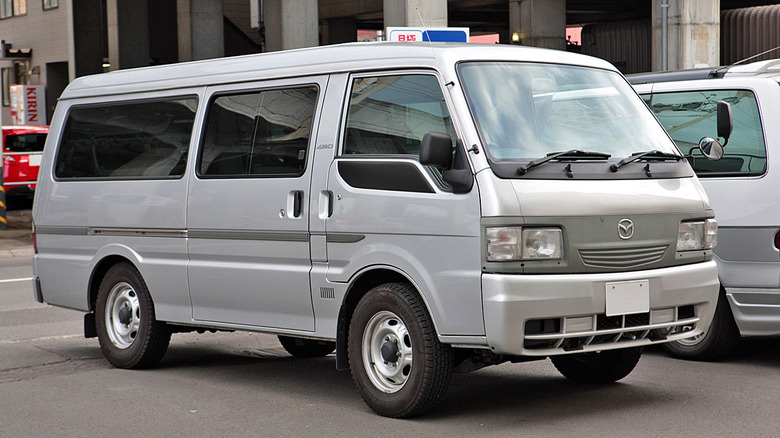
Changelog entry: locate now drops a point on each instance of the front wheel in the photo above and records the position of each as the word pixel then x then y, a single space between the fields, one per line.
pixel 598 367
pixel 398 364
pixel 718 341
pixel 129 334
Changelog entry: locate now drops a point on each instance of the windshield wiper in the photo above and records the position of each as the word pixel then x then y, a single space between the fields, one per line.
pixel 654 154
pixel 575 154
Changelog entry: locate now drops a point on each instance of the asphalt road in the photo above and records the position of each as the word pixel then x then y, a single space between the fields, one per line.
pixel 53 382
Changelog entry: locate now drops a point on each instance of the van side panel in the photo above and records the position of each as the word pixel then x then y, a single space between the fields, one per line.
pixel 433 238
pixel 80 223
pixel 248 217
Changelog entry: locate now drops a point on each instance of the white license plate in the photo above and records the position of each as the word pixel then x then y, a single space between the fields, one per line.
pixel 34 160
pixel 627 297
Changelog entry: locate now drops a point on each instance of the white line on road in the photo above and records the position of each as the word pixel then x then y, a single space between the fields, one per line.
pixel 44 338
pixel 13 280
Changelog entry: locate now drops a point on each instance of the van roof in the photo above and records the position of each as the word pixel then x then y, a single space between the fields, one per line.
pixel 312 61
pixel 769 68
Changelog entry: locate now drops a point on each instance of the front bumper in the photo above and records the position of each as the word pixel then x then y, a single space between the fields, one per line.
pixel 756 310
pixel 542 315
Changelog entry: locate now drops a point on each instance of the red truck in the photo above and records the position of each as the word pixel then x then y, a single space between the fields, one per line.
pixel 22 148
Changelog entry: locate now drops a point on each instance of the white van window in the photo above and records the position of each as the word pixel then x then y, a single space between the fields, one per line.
pixel 391 114
pixel 265 133
pixel 690 115
pixel 146 139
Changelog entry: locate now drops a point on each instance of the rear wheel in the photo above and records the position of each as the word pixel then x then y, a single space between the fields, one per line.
pixel 719 340
pixel 129 334
pixel 598 367
pixel 398 364
pixel 300 347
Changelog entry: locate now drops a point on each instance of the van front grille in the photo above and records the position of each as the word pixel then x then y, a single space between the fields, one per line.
pixel 623 258
pixel 553 335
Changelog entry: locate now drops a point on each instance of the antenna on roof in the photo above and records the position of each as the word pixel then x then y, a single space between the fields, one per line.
pixel 425 28
pixel 716 72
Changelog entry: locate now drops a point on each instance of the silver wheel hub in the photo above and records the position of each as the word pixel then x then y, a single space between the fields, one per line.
pixel 693 341
pixel 123 315
pixel 387 352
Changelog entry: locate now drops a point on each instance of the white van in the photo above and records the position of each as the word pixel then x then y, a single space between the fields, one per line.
pixel 740 186
pixel 421 209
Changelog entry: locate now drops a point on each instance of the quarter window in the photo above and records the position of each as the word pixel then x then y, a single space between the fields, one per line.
pixel 391 114
pixel 147 139
pixel 688 116
pixel 265 133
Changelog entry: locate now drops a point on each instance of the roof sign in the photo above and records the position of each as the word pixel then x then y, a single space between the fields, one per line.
pixel 434 34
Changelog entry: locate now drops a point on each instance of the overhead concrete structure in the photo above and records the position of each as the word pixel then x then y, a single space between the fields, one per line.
pixel 290 24
pixel 200 29
pixel 128 33
pixel 693 34
pixel 538 23
pixel 415 13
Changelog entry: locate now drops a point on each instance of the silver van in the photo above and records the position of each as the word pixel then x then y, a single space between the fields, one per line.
pixel 740 187
pixel 419 209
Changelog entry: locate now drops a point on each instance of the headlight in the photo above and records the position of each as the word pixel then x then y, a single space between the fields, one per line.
pixel 697 235
pixel 503 244
pixel 516 243
pixel 542 243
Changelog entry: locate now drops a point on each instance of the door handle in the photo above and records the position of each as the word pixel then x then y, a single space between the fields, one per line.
pixel 297 198
pixel 326 204
pixel 294 204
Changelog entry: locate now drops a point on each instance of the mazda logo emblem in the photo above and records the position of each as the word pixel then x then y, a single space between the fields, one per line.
pixel 625 229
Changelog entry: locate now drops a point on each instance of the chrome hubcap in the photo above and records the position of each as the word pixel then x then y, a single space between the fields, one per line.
pixel 387 352
pixel 123 315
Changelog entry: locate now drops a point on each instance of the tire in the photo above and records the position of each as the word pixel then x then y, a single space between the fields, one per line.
pixel 599 367
pixel 129 334
pixel 303 348
pixel 717 342
pixel 398 364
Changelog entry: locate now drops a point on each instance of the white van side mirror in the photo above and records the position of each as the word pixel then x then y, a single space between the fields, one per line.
pixel 710 147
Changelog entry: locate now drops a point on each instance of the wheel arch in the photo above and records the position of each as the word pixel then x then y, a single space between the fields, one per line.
pixel 357 289
pixel 100 270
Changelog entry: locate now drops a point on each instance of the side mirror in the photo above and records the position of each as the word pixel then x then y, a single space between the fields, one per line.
pixel 725 122
pixel 711 148
pixel 436 150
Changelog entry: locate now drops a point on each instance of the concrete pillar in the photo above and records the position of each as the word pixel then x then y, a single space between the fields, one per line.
pixel 415 13
pixel 290 24
pixel 201 30
pixel 128 33
pixel 85 23
pixel 538 23
pixel 693 34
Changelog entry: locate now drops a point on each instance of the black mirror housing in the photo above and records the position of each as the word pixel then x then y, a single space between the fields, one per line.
pixel 436 150
pixel 725 121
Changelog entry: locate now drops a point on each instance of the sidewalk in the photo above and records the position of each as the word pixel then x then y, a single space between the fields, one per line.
pixel 16 241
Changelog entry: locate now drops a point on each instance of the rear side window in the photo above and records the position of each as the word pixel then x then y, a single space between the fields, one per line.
pixel 391 114
pixel 25 142
pixel 264 133
pixel 140 139
pixel 690 115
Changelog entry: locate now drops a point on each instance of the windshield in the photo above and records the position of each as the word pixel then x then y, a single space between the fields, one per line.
pixel 525 111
